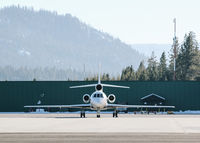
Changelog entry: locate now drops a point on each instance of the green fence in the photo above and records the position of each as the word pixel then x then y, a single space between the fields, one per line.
pixel 185 95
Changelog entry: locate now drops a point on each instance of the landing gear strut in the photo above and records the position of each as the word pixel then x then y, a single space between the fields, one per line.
pixel 98 113
pixel 82 114
pixel 115 114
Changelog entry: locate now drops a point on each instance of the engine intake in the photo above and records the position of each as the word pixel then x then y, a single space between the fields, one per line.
pixel 99 87
pixel 86 98
pixel 111 98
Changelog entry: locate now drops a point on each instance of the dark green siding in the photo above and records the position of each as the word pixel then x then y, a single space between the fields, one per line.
pixel 185 95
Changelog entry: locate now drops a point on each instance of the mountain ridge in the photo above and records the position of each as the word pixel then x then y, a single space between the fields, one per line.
pixel 45 39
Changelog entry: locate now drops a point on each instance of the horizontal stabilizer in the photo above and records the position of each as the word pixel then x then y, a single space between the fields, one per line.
pixel 117 86
pixel 80 86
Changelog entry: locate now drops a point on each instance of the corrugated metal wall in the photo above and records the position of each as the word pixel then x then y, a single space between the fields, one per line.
pixel 185 95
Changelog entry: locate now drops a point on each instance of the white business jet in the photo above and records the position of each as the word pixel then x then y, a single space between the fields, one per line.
pixel 98 101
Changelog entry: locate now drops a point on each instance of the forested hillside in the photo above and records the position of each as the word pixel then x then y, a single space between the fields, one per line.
pixel 187 57
pixel 187 65
pixel 40 39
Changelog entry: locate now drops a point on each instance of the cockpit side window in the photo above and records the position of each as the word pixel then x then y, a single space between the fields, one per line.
pixel 94 95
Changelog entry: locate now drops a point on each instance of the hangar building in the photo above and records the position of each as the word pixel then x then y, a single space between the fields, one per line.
pixel 14 95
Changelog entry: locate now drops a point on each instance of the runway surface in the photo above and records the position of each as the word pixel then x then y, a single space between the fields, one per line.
pixel 98 138
pixel 17 123
pixel 45 128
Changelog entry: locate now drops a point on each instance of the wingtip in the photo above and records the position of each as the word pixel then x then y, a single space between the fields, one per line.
pixel 126 87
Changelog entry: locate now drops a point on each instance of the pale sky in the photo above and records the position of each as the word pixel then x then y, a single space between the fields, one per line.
pixel 132 21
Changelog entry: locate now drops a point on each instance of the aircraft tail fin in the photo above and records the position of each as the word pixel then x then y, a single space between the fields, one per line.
pixel 99 74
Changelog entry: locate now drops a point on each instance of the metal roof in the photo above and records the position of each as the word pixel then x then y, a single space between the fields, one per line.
pixel 152 94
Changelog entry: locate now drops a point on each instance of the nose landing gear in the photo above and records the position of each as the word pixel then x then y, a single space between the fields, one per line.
pixel 98 113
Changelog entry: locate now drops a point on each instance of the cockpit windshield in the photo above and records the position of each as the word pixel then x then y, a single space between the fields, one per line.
pixel 98 95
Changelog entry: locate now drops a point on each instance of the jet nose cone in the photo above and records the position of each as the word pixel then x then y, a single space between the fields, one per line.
pixel 98 103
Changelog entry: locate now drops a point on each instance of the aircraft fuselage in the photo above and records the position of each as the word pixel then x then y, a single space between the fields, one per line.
pixel 98 100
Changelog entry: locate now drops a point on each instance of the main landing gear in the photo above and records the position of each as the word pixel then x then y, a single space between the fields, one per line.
pixel 115 114
pixel 82 114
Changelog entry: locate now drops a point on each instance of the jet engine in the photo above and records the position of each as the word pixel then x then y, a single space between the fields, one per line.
pixel 99 87
pixel 86 98
pixel 111 98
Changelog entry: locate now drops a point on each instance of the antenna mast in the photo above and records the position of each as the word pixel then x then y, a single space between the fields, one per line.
pixel 174 44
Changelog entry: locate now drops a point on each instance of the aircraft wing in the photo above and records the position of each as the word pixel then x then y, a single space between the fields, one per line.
pixel 137 106
pixel 59 106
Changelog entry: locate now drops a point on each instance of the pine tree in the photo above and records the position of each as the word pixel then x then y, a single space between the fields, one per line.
pixel 143 76
pixel 123 75
pixel 141 72
pixel 105 77
pixel 197 77
pixel 128 74
pixel 194 69
pixel 188 58
pixel 162 68
pixel 152 69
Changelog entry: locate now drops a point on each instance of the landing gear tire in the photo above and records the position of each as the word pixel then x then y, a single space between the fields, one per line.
pixel 98 116
pixel 115 115
pixel 82 115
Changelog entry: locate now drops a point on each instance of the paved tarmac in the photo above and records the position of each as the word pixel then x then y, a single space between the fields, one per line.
pixel 47 128
pixel 45 123
pixel 98 138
